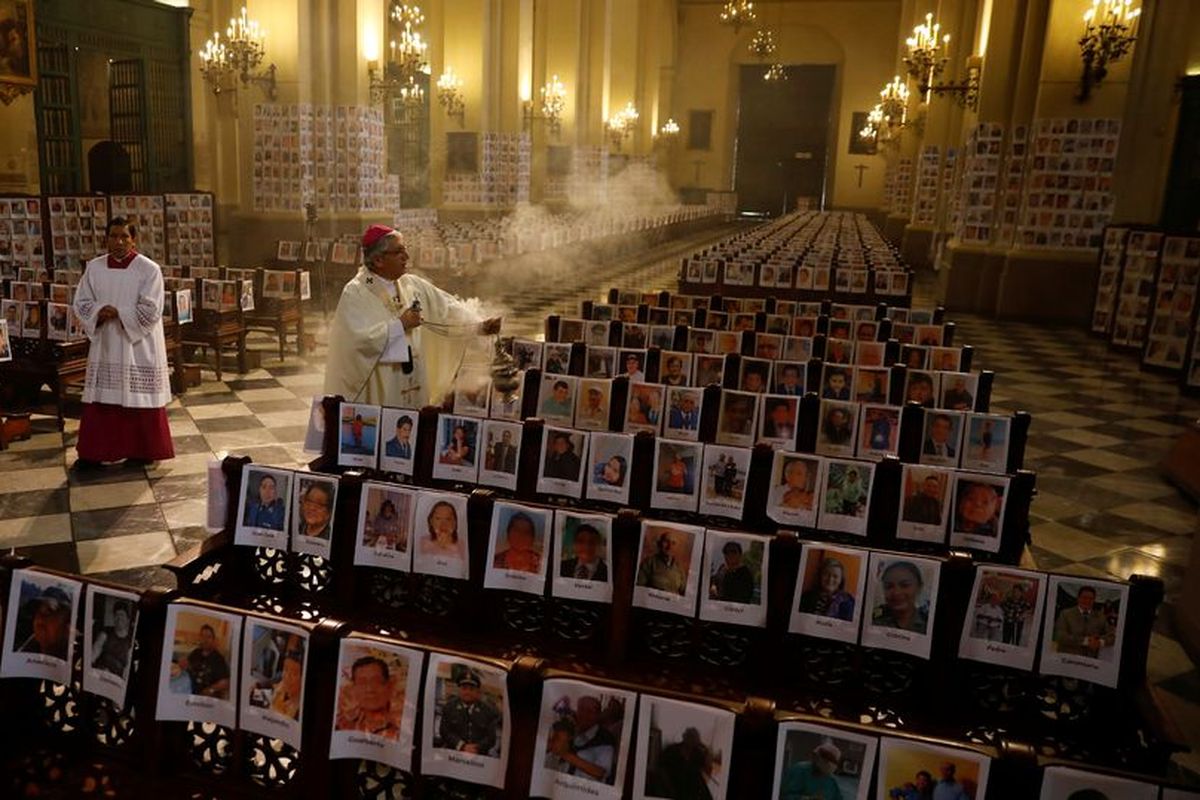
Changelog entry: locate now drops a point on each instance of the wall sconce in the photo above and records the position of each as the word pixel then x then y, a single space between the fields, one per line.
pixel 449 91
pixel 1109 31
pixel 239 56
pixel 620 126
pixel 554 102
pixel 966 94
pixel 926 53
pixel 668 133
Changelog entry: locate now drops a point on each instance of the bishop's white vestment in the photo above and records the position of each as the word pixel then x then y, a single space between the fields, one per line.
pixel 368 347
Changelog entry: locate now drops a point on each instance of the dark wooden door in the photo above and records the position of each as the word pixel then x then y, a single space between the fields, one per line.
pixel 1181 206
pixel 783 137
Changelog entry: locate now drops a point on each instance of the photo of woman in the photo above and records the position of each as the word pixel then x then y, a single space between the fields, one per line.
pixel 904 605
pixel 441 545
pixel 829 598
pixel 901 598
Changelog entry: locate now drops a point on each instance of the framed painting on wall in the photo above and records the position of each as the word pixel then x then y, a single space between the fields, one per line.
pixel 18 65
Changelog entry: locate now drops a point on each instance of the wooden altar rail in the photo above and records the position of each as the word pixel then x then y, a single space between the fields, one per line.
pixel 63 742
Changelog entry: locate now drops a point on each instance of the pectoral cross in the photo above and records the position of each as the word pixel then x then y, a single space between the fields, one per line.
pixel 861 168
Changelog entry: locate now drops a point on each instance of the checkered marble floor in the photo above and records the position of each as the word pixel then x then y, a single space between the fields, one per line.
pixel 1100 426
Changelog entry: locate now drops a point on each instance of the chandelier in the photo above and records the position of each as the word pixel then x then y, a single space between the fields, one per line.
pixel 736 13
pixel 926 56
pixel 763 45
pixel 1110 29
pixel 406 60
pixel 621 125
pixel 449 93
pixel 238 57
pixel 775 73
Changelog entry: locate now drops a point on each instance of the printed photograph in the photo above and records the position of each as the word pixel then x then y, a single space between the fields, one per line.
pixel 600 362
pixel 683 413
pixel 399 425
pixel 846 496
pixel 916 769
pixel 836 428
pixel 584 736
pixel 683 750
pixel 879 431
pixel 457 445
pixel 676 465
pixel 793 496
pixel 666 562
pixel 372 684
pixel 585 545
pixel 592 404
pixel 942 435
pixel 778 425
pixel 831 582
pixel 313 507
pixel 736 418
pixel 385 524
pixel 610 456
pixel 644 407
pixel 978 519
pixel 676 369
pixel 440 528
pixel 1064 783
pixel 814 762
pixel 1084 618
pixel 276 658
pixel 925 501
pixel 466 713
pixel 735 568
pixel 725 472
pixel 39 634
pixel 556 402
pixel 901 593
pixel 986 442
pixel 520 538
pixel 1002 623
pixel 358 441
pixel 501 453
pixel 201 654
pixel 562 454
pixel 264 502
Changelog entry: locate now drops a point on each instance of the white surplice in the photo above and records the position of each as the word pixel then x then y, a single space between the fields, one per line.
pixel 364 365
pixel 127 358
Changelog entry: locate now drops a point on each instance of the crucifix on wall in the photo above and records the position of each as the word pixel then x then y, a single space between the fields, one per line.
pixel 861 169
pixel 698 163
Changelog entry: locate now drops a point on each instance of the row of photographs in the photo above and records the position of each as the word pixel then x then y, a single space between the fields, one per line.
pixel 866 381
pixel 870 429
pixel 660 323
pixel 27 319
pixel 251 672
pixel 805 277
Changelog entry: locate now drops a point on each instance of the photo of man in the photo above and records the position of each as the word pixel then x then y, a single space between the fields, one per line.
pixel 924 496
pixel 583 739
pixel 500 454
pixel 735 575
pixel 468 719
pixel 277 658
pixel 1083 627
pixel 943 430
pixel 814 762
pixel 562 460
pixel 400 445
pixel 677 368
pixel 587 547
pixel 592 412
pixel 683 750
pixel 917 770
pixel 265 500
pixel 835 436
pixel 666 558
pixel 372 682
pixel 555 402
pixel 114 620
pixel 44 619
pixel 683 414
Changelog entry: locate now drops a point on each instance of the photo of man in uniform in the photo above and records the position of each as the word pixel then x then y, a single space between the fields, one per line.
pixel 469 723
